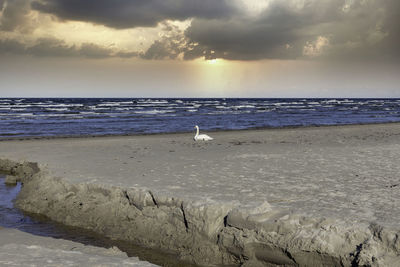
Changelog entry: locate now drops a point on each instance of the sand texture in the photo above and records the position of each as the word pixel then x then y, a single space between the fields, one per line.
pixel 294 197
pixel 22 249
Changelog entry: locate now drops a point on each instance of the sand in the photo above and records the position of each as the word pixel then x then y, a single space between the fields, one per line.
pixel 303 197
pixel 22 249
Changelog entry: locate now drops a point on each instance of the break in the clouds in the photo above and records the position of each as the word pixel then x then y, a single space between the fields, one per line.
pixel 235 29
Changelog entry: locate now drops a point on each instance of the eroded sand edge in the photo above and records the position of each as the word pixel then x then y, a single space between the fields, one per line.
pixel 207 234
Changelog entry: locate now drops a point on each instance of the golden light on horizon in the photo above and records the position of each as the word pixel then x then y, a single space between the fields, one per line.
pixel 212 61
pixel 214 77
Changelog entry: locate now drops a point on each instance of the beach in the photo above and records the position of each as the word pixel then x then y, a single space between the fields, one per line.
pixel 307 196
pixel 22 249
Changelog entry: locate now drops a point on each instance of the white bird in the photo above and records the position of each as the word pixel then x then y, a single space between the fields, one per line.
pixel 201 137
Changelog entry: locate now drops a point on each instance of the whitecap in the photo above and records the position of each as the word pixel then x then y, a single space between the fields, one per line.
pixel 153 112
pixel 57 109
pixel 244 106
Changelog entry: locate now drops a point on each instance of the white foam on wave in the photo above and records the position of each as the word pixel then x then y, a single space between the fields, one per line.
pixel 295 106
pixel 152 104
pixel 152 101
pixel 110 104
pixel 20 106
pixel 22 114
pixel 46 105
pixel 243 106
pixel 264 110
pixel 152 112
pixel 57 109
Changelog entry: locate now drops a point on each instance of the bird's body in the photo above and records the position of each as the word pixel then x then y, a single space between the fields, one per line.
pixel 201 137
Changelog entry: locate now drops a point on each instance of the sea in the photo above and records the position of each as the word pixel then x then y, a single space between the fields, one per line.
pixel 55 117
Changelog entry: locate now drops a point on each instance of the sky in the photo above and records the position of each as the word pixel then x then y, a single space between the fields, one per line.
pixel 199 48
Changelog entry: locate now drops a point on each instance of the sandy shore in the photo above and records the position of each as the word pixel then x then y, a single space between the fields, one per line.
pixel 22 249
pixel 306 196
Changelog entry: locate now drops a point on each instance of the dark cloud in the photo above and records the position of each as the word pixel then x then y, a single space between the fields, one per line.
pixel 290 29
pixel 46 47
pixel 133 13
pixel 51 47
pixel 293 29
pixel 10 46
pixel 94 51
pixel 14 14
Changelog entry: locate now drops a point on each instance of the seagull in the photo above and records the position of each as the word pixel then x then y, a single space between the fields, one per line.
pixel 201 137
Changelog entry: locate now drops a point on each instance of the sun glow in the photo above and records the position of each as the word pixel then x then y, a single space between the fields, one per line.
pixel 212 61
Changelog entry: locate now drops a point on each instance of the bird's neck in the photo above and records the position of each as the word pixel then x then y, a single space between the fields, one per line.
pixel 197 131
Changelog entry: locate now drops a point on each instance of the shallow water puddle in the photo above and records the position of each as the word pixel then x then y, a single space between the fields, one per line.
pixel 11 217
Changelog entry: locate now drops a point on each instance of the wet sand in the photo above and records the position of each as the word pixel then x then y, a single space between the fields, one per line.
pixel 305 196
pixel 22 249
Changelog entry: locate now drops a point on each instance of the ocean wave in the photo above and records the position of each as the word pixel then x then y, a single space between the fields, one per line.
pixel 152 101
pixel 150 115
pixel 108 104
pixel 152 112
pixel 57 109
pixel 243 106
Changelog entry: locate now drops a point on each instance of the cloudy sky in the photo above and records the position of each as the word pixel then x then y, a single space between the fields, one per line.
pixel 200 48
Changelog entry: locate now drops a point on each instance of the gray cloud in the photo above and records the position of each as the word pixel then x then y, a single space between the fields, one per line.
pixel 169 46
pixel 45 47
pixel 14 15
pixel 94 51
pixel 133 13
pixel 290 29
pixel 10 46
pixel 331 29
pixel 51 47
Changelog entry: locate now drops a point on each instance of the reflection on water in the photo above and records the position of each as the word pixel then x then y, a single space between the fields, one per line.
pixel 11 217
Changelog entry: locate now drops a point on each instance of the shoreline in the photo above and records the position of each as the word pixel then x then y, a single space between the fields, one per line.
pixel 308 196
pixel 23 138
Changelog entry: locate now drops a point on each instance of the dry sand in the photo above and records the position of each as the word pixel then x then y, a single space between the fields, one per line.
pixel 305 196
